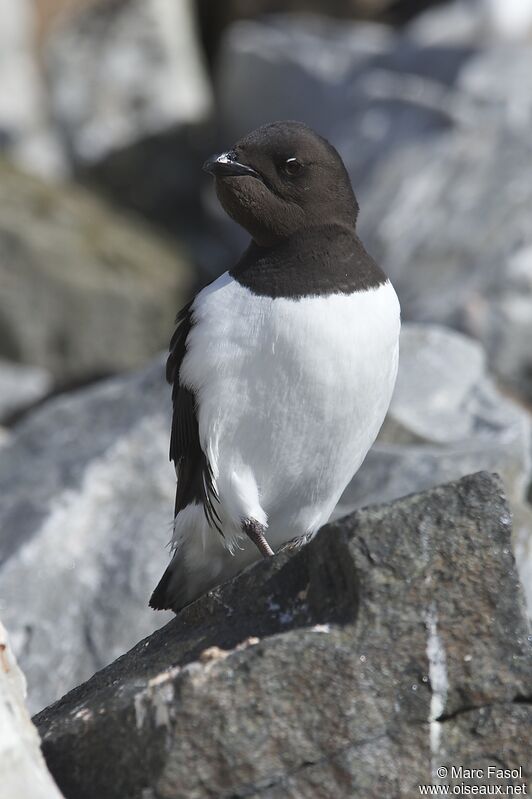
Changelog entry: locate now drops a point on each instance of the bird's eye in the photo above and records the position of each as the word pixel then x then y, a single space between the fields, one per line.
pixel 292 167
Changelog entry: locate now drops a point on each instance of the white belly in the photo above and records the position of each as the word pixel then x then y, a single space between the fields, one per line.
pixel 291 395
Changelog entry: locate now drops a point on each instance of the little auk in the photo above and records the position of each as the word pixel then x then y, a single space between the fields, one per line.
pixel 282 369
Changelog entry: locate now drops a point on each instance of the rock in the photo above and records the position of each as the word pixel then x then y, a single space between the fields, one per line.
pixel 83 290
pixel 433 238
pixel 442 391
pixel 494 79
pixel 23 772
pixel 448 419
pixel 86 498
pixel 132 100
pixel 453 194
pixel 121 72
pixel 160 179
pixel 393 644
pixel 509 19
pixel 455 22
pixel 115 93
pixel 484 22
pixel 214 19
pixel 505 323
pixel 21 387
pixel 285 49
pixel 26 134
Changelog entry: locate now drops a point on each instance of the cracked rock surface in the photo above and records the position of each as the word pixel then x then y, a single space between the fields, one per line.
pixel 395 643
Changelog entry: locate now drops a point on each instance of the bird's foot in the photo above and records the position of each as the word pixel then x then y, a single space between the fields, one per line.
pixel 255 532
pixel 295 543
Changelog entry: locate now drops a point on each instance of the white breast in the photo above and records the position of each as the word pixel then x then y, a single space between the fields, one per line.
pixel 291 395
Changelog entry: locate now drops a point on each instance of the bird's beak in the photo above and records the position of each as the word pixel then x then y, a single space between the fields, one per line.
pixel 226 165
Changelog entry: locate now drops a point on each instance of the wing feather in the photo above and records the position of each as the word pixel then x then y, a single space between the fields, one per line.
pixel 195 482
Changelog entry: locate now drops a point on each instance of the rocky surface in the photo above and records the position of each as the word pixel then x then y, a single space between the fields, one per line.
pixel 86 497
pixel 80 79
pixel 446 419
pixel 395 643
pixel 216 18
pixel 26 133
pixel 83 290
pixel 486 22
pixel 458 219
pixel 114 93
pixel 21 387
pixel 23 772
pixel 120 72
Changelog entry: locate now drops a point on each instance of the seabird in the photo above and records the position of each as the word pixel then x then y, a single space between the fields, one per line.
pixel 282 369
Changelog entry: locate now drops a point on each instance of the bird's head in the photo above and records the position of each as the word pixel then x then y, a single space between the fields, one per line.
pixel 281 179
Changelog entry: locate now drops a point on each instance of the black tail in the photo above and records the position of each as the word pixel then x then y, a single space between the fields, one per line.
pixel 173 591
pixel 187 578
pixel 160 599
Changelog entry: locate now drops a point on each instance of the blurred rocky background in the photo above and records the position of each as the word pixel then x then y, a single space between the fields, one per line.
pixel 107 225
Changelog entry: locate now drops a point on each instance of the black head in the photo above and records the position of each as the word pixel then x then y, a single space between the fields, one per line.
pixel 281 179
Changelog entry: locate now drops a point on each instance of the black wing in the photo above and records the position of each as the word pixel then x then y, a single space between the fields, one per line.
pixel 194 474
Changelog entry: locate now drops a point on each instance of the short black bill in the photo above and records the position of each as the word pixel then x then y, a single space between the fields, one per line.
pixel 226 165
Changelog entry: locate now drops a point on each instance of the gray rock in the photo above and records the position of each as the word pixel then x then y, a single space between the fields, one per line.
pixel 215 18
pixel 83 290
pixel 440 239
pixel 21 387
pixel 509 20
pixel 23 772
pixel 306 61
pixel 395 643
pixel 86 498
pixel 120 72
pixel 484 21
pixel 495 78
pixel 505 323
pixel 26 134
pixel 446 420
pixel 455 22
pixel 436 397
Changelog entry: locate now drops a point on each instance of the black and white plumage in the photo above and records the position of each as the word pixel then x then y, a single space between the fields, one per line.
pixel 282 369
